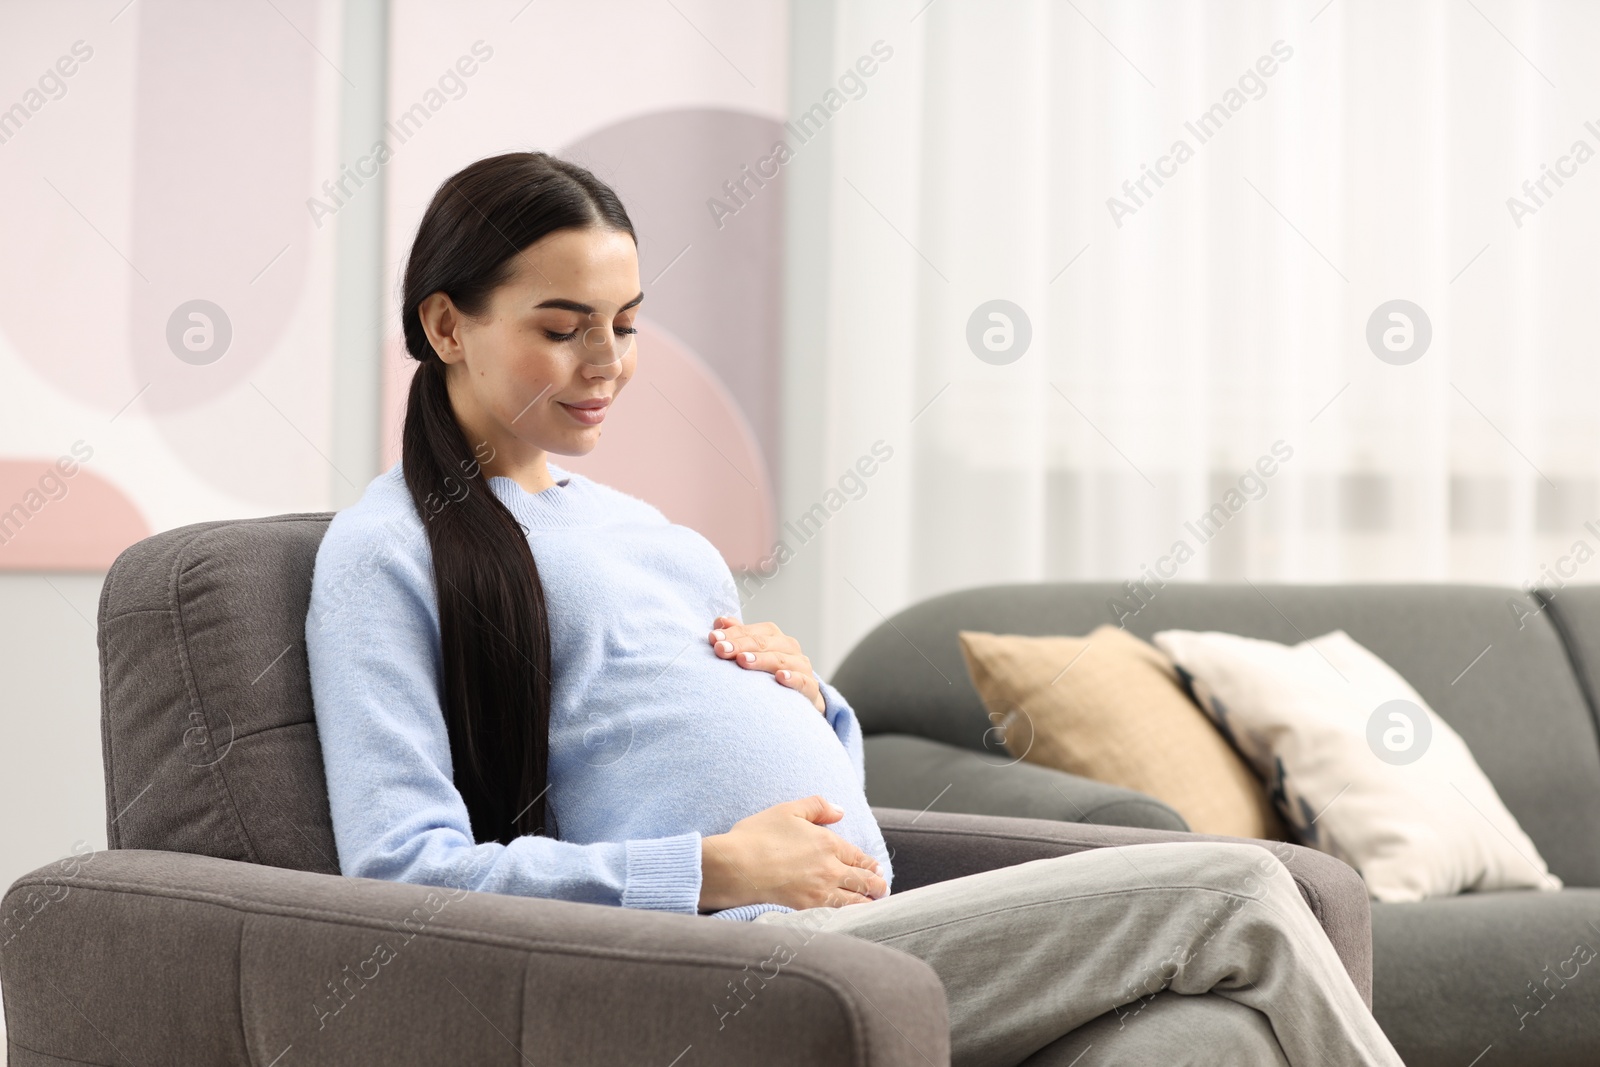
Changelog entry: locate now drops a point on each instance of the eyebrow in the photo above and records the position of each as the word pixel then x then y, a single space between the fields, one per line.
pixel 578 306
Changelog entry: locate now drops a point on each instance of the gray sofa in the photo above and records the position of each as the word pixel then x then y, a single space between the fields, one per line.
pixel 1515 676
pixel 216 928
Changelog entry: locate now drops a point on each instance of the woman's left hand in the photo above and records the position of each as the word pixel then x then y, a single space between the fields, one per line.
pixel 761 646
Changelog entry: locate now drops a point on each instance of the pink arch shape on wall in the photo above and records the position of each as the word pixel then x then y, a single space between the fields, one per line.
pixel 51 522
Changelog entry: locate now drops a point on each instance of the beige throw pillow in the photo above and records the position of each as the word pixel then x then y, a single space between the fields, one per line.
pixel 1110 707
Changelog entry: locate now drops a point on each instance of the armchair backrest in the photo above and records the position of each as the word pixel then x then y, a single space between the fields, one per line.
pixel 206 726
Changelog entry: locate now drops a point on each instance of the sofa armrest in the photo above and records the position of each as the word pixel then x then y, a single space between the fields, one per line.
pixel 154 957
pixel 907 771
pixel 936 846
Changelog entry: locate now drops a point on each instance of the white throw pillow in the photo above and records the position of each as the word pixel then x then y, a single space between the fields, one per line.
pixel 1359 765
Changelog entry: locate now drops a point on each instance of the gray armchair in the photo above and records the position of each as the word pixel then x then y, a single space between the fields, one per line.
pixel 217 928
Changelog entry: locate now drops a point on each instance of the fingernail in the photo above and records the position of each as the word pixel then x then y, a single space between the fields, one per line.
pixel 748 657
pixel 718 635
pixel 783 676
pixel 724 646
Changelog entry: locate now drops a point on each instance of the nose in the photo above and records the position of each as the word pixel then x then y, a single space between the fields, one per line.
pixel 601 363
pixel 603 348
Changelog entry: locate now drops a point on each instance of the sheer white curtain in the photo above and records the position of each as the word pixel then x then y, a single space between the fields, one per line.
pixel 1211 321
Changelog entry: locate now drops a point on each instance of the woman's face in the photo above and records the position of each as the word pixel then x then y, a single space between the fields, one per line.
pixel 536 371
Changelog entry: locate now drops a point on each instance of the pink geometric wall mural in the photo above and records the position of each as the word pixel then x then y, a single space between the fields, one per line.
pixel 223 114
pixel 58 515
pixel 185 241
pixel 225 227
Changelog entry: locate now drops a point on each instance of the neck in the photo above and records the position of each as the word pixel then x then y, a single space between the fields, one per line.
pixel 533 474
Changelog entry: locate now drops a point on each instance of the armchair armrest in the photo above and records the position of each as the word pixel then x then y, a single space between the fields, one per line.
pixel 937 846
pixel 907 771
pixel 144 956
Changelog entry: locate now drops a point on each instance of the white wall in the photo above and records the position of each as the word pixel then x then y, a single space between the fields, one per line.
pixel 51 790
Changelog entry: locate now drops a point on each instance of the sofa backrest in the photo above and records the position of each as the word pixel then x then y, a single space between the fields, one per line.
pixel 207 732
pixel 1502 678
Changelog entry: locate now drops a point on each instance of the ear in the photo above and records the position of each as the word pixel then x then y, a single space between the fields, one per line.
pixel 442 321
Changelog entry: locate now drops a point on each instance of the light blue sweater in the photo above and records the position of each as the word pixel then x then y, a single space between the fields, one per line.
pixel 654 739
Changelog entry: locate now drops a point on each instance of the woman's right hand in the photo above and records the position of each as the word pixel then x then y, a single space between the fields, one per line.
pixel 784 856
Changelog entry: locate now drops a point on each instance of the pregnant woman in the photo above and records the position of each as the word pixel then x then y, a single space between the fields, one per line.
pixel 526 682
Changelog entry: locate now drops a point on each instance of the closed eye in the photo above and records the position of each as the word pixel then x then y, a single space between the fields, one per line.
pixel 624 330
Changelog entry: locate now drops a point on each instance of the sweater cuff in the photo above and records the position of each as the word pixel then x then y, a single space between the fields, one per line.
pixel 664 873
pixel 748 912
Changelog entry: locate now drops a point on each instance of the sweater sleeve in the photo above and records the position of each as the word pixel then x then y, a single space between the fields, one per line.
pixel 372 644
pixel 842 717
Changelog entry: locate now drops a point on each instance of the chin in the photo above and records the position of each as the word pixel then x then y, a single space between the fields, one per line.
pixel 580 446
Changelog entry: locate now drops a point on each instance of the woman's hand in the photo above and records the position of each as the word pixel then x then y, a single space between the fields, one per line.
pixel 784 856
pixel 761 646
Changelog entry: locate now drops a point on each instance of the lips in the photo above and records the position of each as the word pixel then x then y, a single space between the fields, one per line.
pixel 590 412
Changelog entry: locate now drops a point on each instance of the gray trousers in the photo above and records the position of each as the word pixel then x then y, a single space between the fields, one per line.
pixel 1169 953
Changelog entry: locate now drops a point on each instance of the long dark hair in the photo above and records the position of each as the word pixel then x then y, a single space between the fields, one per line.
pixel 493 632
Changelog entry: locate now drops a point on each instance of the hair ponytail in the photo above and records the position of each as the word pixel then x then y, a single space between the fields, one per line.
pixel 494 635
